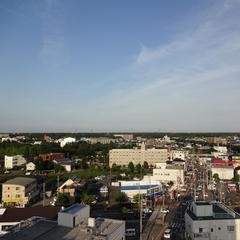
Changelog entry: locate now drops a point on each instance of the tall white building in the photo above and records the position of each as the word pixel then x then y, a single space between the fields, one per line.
pixel 211 221
pixel 12 161
pixel 165 174
pixel 122 157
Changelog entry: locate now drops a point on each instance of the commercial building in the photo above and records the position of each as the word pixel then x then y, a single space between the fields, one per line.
pixel 122 157
pixel 146 187
pixel 211 221
pixel 73 223
pixel 166 173
pixel 19 191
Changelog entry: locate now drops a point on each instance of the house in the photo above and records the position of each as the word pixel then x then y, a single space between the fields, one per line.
pixel 70 186
pixel 30 167
pixel 67 163
pixel 13 216
pixel 211 221
pixel 73 223
pixel 19 191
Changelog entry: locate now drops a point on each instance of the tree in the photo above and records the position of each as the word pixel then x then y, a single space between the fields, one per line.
pixel 64 200
pixel 216 177
pixel 88 199
pixel 138 197
pixel 130 167
pixel 120 197
pixel 138 168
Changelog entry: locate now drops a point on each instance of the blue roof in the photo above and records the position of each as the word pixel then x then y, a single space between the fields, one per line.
pixel 142 187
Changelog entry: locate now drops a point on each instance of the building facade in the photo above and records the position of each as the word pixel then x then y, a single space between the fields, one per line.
pixel 14 161
pixel 122 157
pixel 211 221
pixel 19 191
pixel 166 174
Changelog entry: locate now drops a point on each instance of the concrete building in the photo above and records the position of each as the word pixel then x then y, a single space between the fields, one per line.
pixel 122 157
pixel 13 216
pixel 73 223
pixel 102 140
pixel 14 161
pixel 132 188
pixel 224 172
pixel 19 191
pixel 65 141
pixel 180 154
pixel 211 221
pixel 166 173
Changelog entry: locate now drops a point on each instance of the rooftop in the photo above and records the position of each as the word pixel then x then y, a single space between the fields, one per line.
pixel 22 181
pixel 219 211
pixel 37 228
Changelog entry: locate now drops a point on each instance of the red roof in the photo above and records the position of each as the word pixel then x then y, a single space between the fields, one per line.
pixel 19 214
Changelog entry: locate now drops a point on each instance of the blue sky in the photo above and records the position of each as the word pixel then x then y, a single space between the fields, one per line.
pixel 120 66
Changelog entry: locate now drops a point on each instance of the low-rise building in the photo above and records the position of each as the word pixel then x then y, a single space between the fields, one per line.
pixel 14 161
pixel 19 191
pixel 211 221
pixel 73 223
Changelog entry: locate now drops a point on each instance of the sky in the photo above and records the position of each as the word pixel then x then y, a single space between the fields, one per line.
pixel 119 66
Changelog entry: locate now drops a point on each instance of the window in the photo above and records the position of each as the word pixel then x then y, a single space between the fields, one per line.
pixel 211 229
pixel 230 228
pixel 219 228
pixel 17 188
pixel 17 195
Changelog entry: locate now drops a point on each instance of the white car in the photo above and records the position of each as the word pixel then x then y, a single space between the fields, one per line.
pixel 164 210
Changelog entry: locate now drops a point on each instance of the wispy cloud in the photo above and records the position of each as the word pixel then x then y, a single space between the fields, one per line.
pixel 52 50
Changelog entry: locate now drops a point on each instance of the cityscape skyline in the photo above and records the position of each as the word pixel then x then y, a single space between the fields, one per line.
pixel 104 66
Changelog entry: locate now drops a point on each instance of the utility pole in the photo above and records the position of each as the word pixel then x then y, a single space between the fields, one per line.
pixel 57 185
pixel 43 194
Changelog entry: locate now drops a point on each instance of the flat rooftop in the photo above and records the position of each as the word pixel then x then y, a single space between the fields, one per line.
pixel 22 181
pixel 74 208
pixel 41 229
pixel 219 210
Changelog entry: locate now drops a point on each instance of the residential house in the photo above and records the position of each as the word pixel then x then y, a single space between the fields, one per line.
pixel 70 187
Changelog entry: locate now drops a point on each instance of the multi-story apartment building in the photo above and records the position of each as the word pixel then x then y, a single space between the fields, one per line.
pixel 14 161
pixel 122 157
pixel 19 191
pixel 211 221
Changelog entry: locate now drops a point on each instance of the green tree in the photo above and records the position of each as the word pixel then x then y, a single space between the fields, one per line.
pixel 120 197
pixel 64 200
pixel 130 167
pixel 138 197
pixel 216 177
pixel 138 168
pixel 87 199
